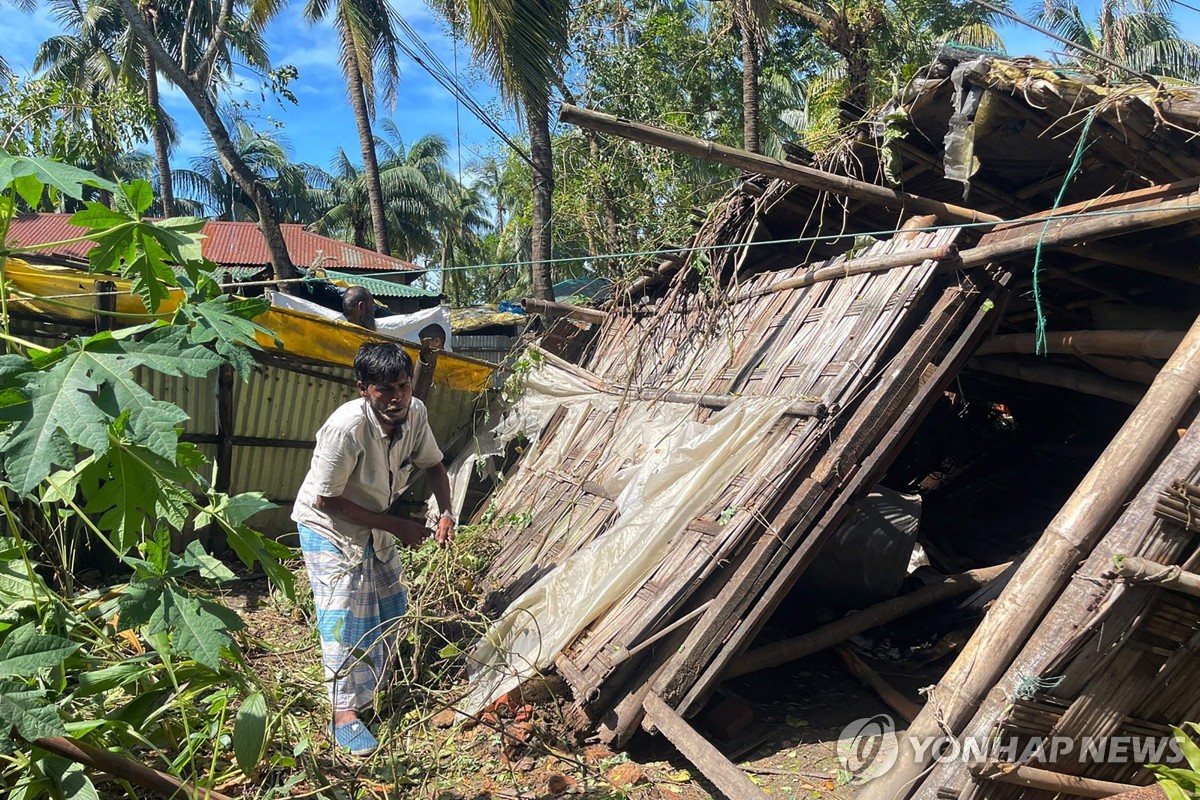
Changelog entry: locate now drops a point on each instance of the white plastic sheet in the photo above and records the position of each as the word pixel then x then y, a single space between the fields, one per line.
pixel 685 463
pixel 397 326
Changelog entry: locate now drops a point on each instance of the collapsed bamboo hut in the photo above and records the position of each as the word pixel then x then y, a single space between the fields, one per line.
pixel 697 443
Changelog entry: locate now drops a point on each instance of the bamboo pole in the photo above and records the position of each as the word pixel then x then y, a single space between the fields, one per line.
pixel 1138 344
pixel 770 167
pixel 871 680
pixel 554 310
pixel 905 258
pixel 1169 576
pixel 1071 534
pixel 778 653
pixel 1063 378
pixel 732 782
pixel 1058 782
pixel 126 769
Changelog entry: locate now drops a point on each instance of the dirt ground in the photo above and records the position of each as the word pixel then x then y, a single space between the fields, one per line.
pixel 789 748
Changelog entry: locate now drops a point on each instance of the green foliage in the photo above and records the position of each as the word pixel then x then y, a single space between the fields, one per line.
pixel 95 459
pixel 1179 783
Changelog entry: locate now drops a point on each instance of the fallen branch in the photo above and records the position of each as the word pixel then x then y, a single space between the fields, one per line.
pixel 124 768
pixel 870 679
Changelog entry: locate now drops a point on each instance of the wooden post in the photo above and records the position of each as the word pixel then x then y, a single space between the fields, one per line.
pixel 425 366
pixel 947 253
pixel 771 167
pixel 106 304
pixel 223 481
pixel 1169 576
pixel 776 653
pixel 125 769
pixel 724 774
pixel 1050 564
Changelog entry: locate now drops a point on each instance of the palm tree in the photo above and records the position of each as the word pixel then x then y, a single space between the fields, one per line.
pixel 267 155
pixel 1139 33
pixel 522 44
pixel 750 17
pixel 461 232
pixel 366 36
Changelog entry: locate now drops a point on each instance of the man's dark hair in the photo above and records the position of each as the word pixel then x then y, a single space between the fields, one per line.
pixel 353 296
pixel 432 331
pixel 380 363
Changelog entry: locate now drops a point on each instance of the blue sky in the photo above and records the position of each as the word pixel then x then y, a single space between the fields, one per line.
pixel 322 120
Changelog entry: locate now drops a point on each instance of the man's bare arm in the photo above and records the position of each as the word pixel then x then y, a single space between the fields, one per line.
pixel 439 482
pixel 409 532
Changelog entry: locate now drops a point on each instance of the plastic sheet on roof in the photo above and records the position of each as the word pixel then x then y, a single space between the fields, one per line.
pixel 398 326
pixel 657 497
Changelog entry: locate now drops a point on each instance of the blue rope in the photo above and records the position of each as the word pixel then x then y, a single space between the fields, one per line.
pixel 1040 338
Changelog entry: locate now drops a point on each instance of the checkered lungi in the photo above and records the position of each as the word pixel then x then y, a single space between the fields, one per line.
pixel 359 606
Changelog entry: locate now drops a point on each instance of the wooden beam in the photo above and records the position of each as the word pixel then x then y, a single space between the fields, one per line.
pixel 946 255
pixel 553 310
pixel 777 653
pixel 870 679
pixel 1061 377
pixel 724 774
pixel 770 167
pixel 1057 782
pixel 1137 344
pixel 1169 576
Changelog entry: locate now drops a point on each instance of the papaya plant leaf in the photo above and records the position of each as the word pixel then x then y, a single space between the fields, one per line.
pixel 195 558
pixel 128 486
pixel 25 651
pixel 98 215
pixel 65 178
pixel 226 325
pixel 250 732
pixel 251 546
pixel 138 603
pixel 139 195
pixel 199 628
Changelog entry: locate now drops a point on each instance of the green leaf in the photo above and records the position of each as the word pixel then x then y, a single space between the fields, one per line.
pixel 98 215
pixel 200 628
pixel 138 603
pixel 250 732
pixel 195 558
pixel 25 651
pixel 76 390
pixel 32 715
pixel 129 488
pixel 65 178
pixel 1186 746
pixel 1173 790
pixel 139 194
pixel 223 323
pixel 450 651
pixel 70 779
pixel 251 546
pixel 111 677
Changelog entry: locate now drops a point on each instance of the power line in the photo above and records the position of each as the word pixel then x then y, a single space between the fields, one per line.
pixel 420 52
pixel 1185 5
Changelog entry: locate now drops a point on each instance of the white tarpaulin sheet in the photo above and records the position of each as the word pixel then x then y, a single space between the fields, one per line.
pixel 398 326
pixel 682 465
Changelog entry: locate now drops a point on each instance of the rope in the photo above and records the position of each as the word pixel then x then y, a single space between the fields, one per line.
pixel 1039 346
pixel 1028 687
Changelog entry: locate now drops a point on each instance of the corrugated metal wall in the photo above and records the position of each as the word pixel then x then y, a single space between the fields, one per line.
pixel 283 408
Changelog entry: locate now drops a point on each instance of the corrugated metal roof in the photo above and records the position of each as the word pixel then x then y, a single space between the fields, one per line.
pixel 227 243
pixel 380 288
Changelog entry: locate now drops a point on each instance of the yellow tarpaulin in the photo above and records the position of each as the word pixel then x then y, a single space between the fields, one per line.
pixel 61 293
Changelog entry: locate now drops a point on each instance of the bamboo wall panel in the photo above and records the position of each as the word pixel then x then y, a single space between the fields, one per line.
pixel 827 341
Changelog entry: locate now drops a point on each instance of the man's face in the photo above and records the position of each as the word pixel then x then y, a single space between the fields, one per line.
pixel 362 313
pixel 389 401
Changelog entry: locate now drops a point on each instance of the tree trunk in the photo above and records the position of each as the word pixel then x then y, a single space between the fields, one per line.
pixel 162 149
pixel 366 140
pixel 537 116
pixel 247 181
pixel 750 109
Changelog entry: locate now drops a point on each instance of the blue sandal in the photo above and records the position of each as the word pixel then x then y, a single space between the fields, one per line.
pixel 355 737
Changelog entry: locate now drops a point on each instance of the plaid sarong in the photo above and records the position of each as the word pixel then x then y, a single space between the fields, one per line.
pixel 359 606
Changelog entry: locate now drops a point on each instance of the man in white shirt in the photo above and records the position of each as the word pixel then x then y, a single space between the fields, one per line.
pixel 364 459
